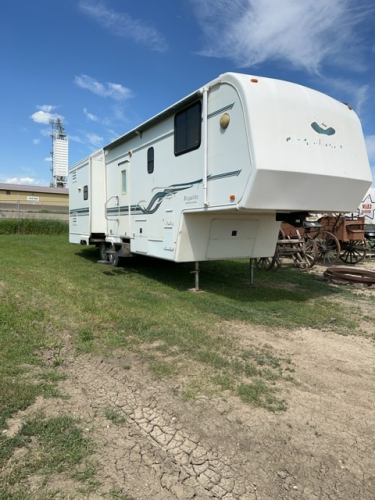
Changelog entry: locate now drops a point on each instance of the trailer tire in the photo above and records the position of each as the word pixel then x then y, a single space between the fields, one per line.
pixel 103 247
pixel 115 260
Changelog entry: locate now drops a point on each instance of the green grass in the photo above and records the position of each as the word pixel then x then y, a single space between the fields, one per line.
pixel 33 226
pixel 49 287
pixel 52 446
pixel 114 415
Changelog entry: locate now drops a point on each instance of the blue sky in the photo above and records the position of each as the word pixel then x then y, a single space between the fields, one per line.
pixel 103 67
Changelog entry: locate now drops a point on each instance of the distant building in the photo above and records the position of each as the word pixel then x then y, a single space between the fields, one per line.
pixel 33 198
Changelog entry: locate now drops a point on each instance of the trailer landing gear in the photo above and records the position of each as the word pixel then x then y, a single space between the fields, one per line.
pixel 196 288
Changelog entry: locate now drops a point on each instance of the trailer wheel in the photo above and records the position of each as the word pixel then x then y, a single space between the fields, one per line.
pixel 103 247
pixel 115 260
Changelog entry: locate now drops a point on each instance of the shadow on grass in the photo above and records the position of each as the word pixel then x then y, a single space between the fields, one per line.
pixel 227 278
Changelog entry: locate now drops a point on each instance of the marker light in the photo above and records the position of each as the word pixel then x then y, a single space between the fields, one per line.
pixel 254 80
pixel 224 120
pixel 232 197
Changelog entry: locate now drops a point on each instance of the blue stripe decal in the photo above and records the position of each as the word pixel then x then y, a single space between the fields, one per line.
pixel 168 192
pixel 79 211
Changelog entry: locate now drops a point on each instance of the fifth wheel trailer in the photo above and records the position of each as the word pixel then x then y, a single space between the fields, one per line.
pixel 212 176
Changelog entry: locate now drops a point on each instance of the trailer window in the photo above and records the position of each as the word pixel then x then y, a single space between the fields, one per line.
pixel 123 181
pixel 187 129
pixel 85 192
pixel 150 160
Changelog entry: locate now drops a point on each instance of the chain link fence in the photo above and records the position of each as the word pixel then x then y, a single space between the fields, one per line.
pixel 38 208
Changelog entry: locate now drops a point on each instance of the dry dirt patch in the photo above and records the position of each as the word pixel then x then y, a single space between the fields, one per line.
pixel 161 447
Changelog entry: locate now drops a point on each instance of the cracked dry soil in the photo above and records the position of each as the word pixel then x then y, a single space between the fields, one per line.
pixel 322 447
pixel 217 447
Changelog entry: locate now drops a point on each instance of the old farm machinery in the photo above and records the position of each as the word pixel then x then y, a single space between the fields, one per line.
pixel 324 240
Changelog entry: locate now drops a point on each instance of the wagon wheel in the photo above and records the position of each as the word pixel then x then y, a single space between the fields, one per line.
pixel 265 263
pixel 276 257
pixel 354 251
pixel 306 257
pixel 268 263
pixel 277 261
pixel 371 242
pixel 328 248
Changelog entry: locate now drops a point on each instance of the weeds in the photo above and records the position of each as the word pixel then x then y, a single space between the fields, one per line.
pixel 33 226
pixel 114 415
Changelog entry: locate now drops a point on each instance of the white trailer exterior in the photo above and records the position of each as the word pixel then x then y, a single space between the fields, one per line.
pixel 87 197
pixel 211 176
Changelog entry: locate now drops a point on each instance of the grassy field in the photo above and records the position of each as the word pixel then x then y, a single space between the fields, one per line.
pixel 51 290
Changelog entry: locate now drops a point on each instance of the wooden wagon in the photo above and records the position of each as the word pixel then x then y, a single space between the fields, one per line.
pixel 324 240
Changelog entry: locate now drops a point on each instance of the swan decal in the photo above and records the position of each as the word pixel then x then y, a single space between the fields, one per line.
pixel 323 129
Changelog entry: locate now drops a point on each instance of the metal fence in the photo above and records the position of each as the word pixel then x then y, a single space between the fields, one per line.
pixel 46 209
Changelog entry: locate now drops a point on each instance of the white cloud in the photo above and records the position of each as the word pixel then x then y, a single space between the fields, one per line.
pixel 46 132
pixel 361 96
pixel 112 90
pixel 123 25
pixel 113 135
pixel 46 107
pixel 305 33
pixel 118 113
pixel 48 158
pixel 353 93
pixel 36 141
pixel 21 180
pixel 75 138
pixel 95 140
pixel 44 114
pixel 90 116
pixel 370 145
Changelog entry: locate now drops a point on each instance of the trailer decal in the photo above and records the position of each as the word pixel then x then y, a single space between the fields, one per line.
pixel 321 130
pixel 79 212
pixel 157 199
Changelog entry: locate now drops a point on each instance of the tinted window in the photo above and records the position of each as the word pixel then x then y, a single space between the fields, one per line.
pixel 150 160
pixel 187 129
pixel 85 192
pixel 123 181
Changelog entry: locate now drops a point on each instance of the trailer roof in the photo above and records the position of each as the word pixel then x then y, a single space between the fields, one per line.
pixel 157 118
